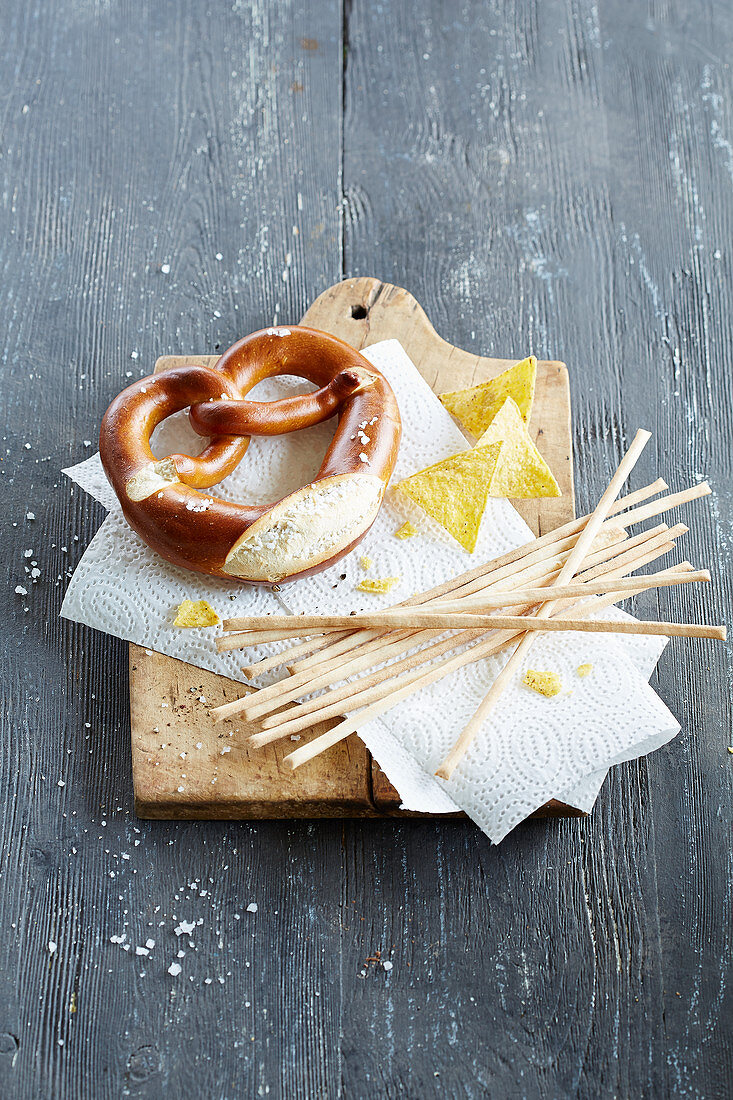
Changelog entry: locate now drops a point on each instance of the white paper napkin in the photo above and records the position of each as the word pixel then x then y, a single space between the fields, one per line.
pixel 531 749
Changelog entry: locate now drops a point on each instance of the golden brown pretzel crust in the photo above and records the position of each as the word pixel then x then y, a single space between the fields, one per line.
pixel 309 529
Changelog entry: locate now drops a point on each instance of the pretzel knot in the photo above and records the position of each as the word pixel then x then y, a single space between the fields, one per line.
pixel 304 532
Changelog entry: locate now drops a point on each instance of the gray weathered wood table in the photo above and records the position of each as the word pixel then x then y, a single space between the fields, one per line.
pixel 554 176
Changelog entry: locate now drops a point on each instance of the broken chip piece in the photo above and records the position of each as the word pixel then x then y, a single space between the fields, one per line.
pixel 196 613
pixel 475 408
pixel 406 531
pixel 366 562
pixel 454 491
pixel 521 471
pixel 386 584
pixel 544 683
pixel 584 670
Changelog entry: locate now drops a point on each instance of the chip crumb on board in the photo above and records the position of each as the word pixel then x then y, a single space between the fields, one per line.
pixel 192 613
pixel 544 683
pixel 386 584
pixel 584 670
pixel 366 562
pixel 406 531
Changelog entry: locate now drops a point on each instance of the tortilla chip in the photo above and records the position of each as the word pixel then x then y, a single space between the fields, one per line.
pixel 377 587
pixel 521 471
pixel 454 492
pixel 544 683
pixel 475 408
pixel 196 613
pixel 406 531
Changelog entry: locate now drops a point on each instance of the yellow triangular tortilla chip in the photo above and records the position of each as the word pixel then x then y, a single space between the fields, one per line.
pixel 476 407
pixel 521 471
pixel 454 492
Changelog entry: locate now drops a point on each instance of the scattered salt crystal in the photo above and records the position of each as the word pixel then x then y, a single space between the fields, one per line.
pixel 87 442
pixel 184 928
pixel 61 783
pixel 52 947
pixel 125 855
pixel 227 748
pixel 141 951
pixel 27 446
pixel 363 458
pixel 35 573
pixel 295 737
pixel 150 944
pixel 208 981
pixel 134 354
pixel 199 744
pixel 30 515
pixel 252 907
pixel 20 590
pixel 175 969
pixel 180 789
pixel 27 553
pixel 387 964
pixel 218 256
pixel 166 269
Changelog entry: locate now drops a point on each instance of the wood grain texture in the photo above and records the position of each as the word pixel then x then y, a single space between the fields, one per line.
pixel 553 177
pixel 174 779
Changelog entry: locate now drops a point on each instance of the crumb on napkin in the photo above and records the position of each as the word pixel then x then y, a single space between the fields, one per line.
pixel 544 683
pixel 386 584
pixel 196 613
pixel 584 670
pixel 406 531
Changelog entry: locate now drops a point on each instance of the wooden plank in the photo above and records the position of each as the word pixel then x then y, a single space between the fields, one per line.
pixel 345 782
pixel 556 177
pixel 135 137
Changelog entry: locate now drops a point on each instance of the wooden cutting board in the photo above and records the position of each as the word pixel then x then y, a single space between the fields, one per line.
pixel 183 765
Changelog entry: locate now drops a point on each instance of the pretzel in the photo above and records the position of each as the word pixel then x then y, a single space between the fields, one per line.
pixel 302 533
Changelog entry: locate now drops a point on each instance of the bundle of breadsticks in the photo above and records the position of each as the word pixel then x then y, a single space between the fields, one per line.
pixel 365 664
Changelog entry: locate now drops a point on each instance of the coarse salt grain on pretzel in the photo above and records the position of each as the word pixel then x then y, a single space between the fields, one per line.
pixel 306 531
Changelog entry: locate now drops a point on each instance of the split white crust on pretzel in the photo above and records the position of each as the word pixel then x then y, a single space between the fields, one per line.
pixel 306 531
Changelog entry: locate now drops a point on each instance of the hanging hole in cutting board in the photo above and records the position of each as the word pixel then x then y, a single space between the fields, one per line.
pixel 358 312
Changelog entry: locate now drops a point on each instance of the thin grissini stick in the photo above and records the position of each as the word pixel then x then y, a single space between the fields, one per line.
pixel 571 566
pixel 412 683
pixel 664 504
pixel 537 625
pixel 308 680
pixel 357 693
pixel 629 585
pixel 457 616
pixel 272 698
pixel 250 638
pixel 572 527
pixel 383 647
